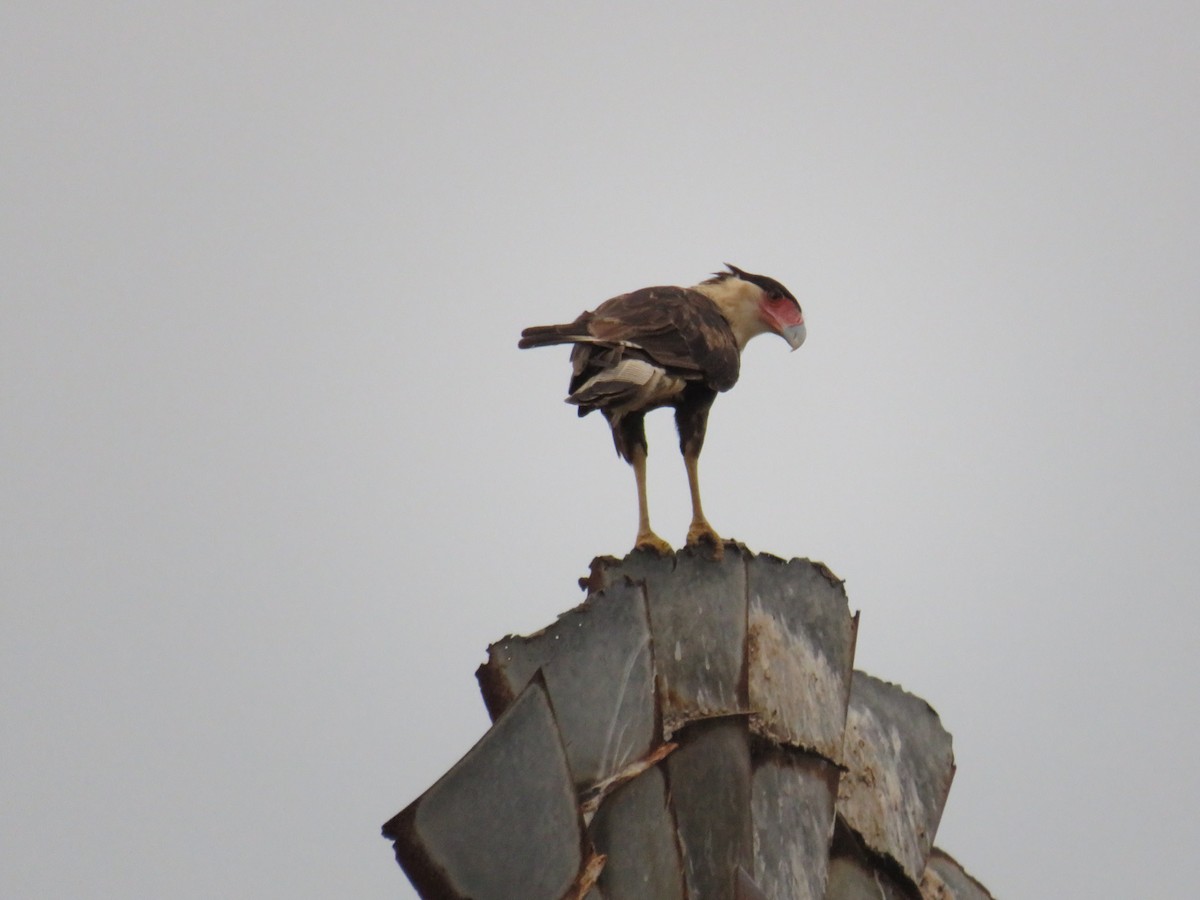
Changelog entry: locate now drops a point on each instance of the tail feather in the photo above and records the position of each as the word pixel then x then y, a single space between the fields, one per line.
pixel 549 335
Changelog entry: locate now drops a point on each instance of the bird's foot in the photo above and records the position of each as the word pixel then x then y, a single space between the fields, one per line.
pixel 648 540
pixel 702 533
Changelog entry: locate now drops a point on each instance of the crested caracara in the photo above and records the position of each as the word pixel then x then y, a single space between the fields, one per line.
pixel 669 346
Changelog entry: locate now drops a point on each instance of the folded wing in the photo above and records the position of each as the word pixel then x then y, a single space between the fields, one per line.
pixel 677 330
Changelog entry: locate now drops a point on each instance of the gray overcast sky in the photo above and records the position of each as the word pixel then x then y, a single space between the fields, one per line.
pixel 275 472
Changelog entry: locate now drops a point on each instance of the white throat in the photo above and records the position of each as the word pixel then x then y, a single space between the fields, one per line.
pixel 739 303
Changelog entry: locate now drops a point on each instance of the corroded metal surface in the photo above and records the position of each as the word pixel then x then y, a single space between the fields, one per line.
pixel 945 879
pixel 709 777
pixel 900 764
pixel 697 611
pixel 786 776
pixel 503 822
pixel 800 643
pixel 792 801
pixel 635 830
pixel 597 665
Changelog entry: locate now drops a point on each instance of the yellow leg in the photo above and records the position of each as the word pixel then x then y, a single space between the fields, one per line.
pixel 646 539
pixel 700 531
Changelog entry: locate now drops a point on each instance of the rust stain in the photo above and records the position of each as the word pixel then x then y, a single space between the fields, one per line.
pixel 827 574
pixel 933 887
pixel 589 801
pixel 796 696
pixel 586 879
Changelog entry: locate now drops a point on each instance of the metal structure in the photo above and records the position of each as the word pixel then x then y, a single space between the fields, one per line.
pixel 694 730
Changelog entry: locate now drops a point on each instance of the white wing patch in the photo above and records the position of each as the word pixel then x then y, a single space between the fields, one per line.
pixel 630 384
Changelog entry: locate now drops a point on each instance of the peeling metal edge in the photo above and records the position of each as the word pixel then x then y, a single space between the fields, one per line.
pixel 429 879
pixel 850 681
pixel 763 747
pixel 939 852
pixel 497 695
pixel 849 844
pixel 772 739
pixel 743 685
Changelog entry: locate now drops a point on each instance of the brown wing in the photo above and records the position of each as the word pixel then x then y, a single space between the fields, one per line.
pixel 679 329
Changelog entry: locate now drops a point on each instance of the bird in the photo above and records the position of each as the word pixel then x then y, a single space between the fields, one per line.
pixel 672 347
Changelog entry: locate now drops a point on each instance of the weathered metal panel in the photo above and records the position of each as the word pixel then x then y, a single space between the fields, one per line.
pixel 585 887
pixel 597 665
pixel 746 889
pixel 697 611
pixel 792 801
pixel 801 640
pixel 853 879
pixel 945 879
pixel 635 830
pixel 900 764
pixel 709 778
pixel 503 822
pixel 638 565
pixel 747 662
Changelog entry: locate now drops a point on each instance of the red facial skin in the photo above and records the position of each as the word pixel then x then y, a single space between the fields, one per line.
pixel 780 313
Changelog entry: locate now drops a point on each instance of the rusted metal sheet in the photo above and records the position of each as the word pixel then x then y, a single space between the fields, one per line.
pixel 635 830
pixel 503 822
pixel 697 609
pixel 789 776
pixel 801 639
pixel 597 665
pixel 900 764
pixel 709 778
pixel 792 801
pixel 945 879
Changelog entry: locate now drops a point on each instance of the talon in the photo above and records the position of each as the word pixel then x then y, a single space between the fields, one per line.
pixel 703 533
pixel 652 542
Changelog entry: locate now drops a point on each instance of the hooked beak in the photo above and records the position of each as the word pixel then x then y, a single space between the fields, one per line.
pixel 794 334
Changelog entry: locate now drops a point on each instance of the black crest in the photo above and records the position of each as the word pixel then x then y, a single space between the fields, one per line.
pixel 770 285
